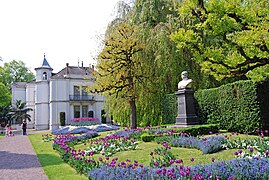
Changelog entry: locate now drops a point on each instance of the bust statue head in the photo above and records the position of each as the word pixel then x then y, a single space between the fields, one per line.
pixel 185 83
pixel 184 75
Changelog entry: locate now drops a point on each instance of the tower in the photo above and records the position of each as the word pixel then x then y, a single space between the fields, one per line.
pixel 42 95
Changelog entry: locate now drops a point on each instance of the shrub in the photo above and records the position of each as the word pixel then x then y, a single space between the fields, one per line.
pixel 147 138
pixel 234 106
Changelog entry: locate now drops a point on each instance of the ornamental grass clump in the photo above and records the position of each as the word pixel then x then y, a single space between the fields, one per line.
pixel 84 121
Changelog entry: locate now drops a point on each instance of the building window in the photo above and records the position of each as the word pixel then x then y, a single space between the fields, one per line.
pixel 45 77
pixel 76 93
pixel 90 114
pixel 76 111
pixel 103 115
pixel 84 91
pixel 84 111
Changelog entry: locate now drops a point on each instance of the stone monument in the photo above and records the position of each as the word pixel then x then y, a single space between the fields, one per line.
pixel 186 110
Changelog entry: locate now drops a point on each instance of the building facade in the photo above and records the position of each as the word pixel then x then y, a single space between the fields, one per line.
pixel 65 92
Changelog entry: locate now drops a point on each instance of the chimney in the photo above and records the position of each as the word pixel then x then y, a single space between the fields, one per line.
pixel 66 69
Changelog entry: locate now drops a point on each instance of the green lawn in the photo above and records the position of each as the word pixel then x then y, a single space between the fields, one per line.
pixel 53 165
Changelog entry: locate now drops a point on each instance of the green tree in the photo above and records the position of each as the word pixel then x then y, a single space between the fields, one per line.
pixel 119 69
pixel 229 38
pixel 4 117
pixel 5 95
pixel 18 113
pixel 15 71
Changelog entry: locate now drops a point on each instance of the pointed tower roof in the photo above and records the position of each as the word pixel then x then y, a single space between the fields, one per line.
pixel 45 64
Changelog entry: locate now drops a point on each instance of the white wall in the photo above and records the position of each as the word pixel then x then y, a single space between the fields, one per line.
pixel 18 93
pixel 30 103
pixel 42 105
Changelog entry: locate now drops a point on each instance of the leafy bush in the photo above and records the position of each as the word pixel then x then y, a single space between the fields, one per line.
pixel 147 138
pixel 234 106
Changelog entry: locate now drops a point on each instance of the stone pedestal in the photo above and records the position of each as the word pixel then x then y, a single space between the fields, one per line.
pixel 186 111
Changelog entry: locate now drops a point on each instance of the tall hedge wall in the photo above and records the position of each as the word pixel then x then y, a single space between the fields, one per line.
pixel 240 106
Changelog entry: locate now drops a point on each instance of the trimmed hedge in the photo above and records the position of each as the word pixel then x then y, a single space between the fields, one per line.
pixel 196 130
pixel 235 106
pixel 242 106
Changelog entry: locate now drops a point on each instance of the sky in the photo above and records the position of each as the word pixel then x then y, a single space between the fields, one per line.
pixel 67 31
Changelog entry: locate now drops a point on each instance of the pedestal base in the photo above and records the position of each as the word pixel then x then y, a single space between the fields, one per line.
pixel 186 111
pixel 187 121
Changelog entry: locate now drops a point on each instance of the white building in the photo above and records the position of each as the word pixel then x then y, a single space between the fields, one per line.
pixel 63 92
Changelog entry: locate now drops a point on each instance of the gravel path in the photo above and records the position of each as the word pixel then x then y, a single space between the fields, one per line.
pixel 18 160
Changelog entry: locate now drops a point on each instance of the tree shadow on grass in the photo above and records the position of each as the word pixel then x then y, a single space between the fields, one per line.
pixel 23 161
pixel 49 160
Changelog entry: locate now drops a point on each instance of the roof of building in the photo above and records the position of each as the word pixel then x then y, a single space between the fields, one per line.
pixel 74 70
pixel 45 64
pixel 19 84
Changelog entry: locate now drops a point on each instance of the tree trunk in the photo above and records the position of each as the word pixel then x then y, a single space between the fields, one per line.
pixel 132 114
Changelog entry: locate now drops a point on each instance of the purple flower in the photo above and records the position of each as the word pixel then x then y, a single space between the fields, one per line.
pixel 236 153
pixel 100 159
pixel 179 161
pixel 251 149
pixel 212 159
pixel 192 159
pixel 156 163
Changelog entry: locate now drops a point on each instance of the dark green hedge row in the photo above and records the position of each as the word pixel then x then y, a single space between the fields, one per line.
pixel 192 130
pixel 237 106
pixel 242 106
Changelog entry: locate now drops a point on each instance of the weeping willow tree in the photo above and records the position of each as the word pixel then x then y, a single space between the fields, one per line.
pixel 161 60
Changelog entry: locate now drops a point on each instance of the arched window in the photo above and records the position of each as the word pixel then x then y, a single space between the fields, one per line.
pixel 45 77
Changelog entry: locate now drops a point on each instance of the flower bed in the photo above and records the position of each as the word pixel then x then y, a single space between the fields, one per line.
pixel 233 169
pixel 111 144
pixel 82 129
pixel 85 121
pixel 208 145
pixel 163 165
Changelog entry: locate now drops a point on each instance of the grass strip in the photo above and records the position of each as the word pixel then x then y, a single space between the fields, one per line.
pixel 53 165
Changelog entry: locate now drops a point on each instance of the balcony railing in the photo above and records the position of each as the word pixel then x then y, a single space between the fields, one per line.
pixel 80 97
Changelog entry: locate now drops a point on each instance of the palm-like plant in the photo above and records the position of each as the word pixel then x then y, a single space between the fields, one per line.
pixel 18 113
pixel 4 117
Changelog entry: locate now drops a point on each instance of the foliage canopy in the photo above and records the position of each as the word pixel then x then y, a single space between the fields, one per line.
pixel 229 38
